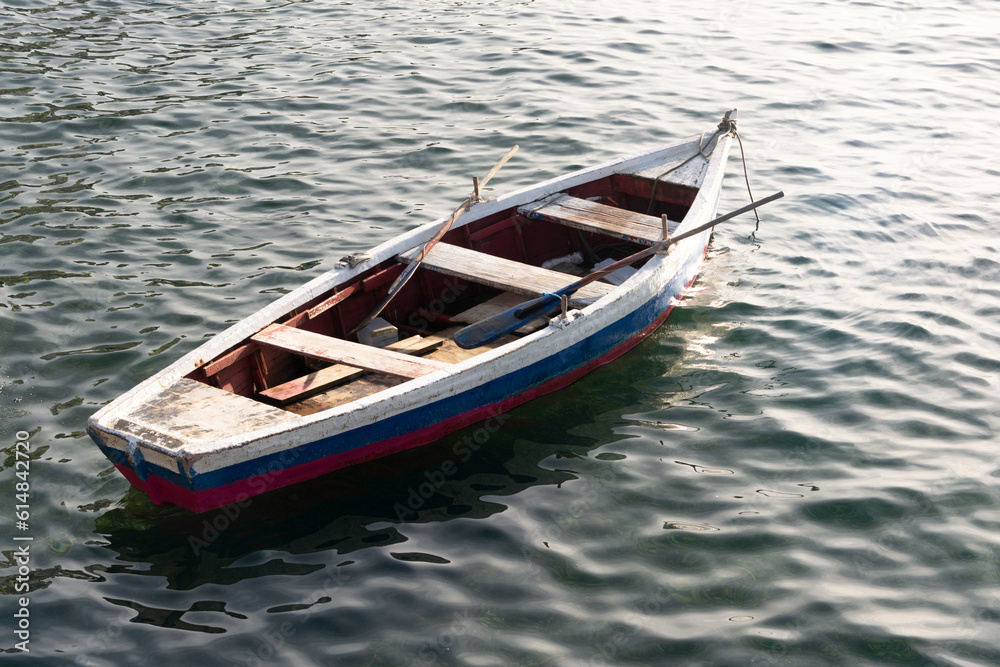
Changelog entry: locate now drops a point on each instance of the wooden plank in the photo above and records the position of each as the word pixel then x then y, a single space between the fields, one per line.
pixel 339 351
pixel 452 353
pixel 227 360
pixel 372 384
pixel 383 277
pixel 360 388
pixel 600 218
pixel 333 300
pixel 690 175
pixel 189 411
pixel 314 383
pixel 417 345
pixel 331 376
pixel 495 228
pixel 503 274
pixel 666 193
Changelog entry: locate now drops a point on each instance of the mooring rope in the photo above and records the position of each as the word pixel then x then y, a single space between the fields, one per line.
pixel 746 175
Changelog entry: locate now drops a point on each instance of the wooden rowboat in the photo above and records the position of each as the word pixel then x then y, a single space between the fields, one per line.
pixel 289 393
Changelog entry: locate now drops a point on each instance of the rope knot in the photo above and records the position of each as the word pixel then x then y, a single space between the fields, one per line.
pixel 728 124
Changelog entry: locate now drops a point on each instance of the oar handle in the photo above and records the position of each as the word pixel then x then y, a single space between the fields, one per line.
pixel 722 218
pixel 493 172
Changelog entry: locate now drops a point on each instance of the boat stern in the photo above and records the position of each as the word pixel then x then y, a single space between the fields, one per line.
pixel 156 443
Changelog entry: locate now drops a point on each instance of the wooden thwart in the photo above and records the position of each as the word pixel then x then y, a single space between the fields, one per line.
pixel 503 274
pixel 372 383
pixel 596 217
pixel 327 348
pixel 331 376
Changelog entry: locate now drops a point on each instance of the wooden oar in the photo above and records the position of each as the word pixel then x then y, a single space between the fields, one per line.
pixel 411 269
pixel 492 328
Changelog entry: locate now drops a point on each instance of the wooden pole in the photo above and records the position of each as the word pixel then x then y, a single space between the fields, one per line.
pixel 412 268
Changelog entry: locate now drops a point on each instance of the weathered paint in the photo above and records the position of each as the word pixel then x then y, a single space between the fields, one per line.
pixel 201 491
pixel 201 475
pixel 336 350
pixel 504 274
pixel 595 217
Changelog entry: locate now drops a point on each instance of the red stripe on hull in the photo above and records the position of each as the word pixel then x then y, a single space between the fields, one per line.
pixel 161 491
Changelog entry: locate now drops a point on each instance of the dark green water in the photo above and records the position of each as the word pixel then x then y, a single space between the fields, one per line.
pixel 799 469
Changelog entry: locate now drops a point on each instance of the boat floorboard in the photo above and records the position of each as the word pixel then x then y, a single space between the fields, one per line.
pixel 365 386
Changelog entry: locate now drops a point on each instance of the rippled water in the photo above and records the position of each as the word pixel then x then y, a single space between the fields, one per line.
pixel 799 469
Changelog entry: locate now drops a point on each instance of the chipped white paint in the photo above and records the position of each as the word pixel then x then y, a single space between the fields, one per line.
pixel 241 441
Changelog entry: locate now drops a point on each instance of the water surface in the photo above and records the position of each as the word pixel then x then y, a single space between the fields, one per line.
pixel 798 469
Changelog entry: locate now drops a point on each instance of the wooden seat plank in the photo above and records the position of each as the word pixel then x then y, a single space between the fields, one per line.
pixel 327 348
pixel 504 274
pixel 313 383
pixel 371 384
pixel 331 376
pixel 593 216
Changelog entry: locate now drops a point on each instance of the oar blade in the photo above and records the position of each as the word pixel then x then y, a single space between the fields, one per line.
pixel 490 329
pixel 397 285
